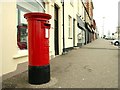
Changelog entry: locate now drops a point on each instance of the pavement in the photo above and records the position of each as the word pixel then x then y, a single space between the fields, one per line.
pixel 94 65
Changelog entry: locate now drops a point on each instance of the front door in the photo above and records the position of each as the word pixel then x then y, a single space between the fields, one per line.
pixel 73 32
pixel 56 31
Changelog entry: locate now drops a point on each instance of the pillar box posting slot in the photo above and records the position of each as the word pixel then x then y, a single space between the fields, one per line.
pixel 38 47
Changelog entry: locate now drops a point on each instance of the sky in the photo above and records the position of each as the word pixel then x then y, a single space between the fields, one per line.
pixel 109 10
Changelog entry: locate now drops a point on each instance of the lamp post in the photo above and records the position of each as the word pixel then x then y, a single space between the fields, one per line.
pixel 103 27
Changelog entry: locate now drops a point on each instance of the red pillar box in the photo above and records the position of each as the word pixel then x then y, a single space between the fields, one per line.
pixel 38 46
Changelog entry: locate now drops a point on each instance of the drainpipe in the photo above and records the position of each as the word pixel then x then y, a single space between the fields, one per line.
pixel 63 29
pixel 86 32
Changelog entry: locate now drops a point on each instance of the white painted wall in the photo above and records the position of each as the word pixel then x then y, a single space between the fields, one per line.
pixel 68 11
pixel 9 38
pixel 50 10
pixel 0 40
pixel 119 13
pixel 73 11
pixel 11 55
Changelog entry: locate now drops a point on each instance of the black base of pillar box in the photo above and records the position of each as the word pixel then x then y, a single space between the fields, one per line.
pixel 39 74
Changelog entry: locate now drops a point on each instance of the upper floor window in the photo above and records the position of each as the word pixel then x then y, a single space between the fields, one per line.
pixel 69 27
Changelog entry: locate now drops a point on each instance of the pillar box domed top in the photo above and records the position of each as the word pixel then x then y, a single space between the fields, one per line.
pixel 37 15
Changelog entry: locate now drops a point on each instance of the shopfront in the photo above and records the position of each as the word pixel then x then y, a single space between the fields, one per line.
pixel 81 32
pixel 89 32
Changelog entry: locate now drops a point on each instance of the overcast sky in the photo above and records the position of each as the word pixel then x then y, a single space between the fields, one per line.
pixel 109 10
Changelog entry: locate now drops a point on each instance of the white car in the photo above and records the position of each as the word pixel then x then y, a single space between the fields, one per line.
pixel 115 42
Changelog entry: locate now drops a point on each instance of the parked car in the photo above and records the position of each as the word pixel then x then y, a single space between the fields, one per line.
pixel 115 42
pixel 109 38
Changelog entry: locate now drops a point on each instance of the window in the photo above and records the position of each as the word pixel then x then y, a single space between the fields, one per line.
pixel 70 27
pixel 24 7
pixel 21 29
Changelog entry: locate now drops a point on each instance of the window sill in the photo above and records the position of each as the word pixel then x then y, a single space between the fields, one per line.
pixel 21 54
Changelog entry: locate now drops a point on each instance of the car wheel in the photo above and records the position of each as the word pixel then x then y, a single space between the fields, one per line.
pixel 116 43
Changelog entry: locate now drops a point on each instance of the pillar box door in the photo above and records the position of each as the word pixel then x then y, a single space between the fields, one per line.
pixel 38 47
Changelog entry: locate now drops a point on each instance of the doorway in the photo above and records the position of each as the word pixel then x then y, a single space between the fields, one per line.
pixel 56 30
pixel 73 32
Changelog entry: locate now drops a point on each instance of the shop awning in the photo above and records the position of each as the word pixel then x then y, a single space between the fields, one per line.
pixel 80 23
pixel 88 27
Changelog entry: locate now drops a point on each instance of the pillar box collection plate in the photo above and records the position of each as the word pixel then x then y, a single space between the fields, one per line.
pixel 38 47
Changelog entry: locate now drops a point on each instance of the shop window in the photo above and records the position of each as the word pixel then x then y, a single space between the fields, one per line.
pixel 24 7
pixel 21 29
pixel 22 36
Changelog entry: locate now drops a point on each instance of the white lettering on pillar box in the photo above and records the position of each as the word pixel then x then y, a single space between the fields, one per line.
pixel 46 33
